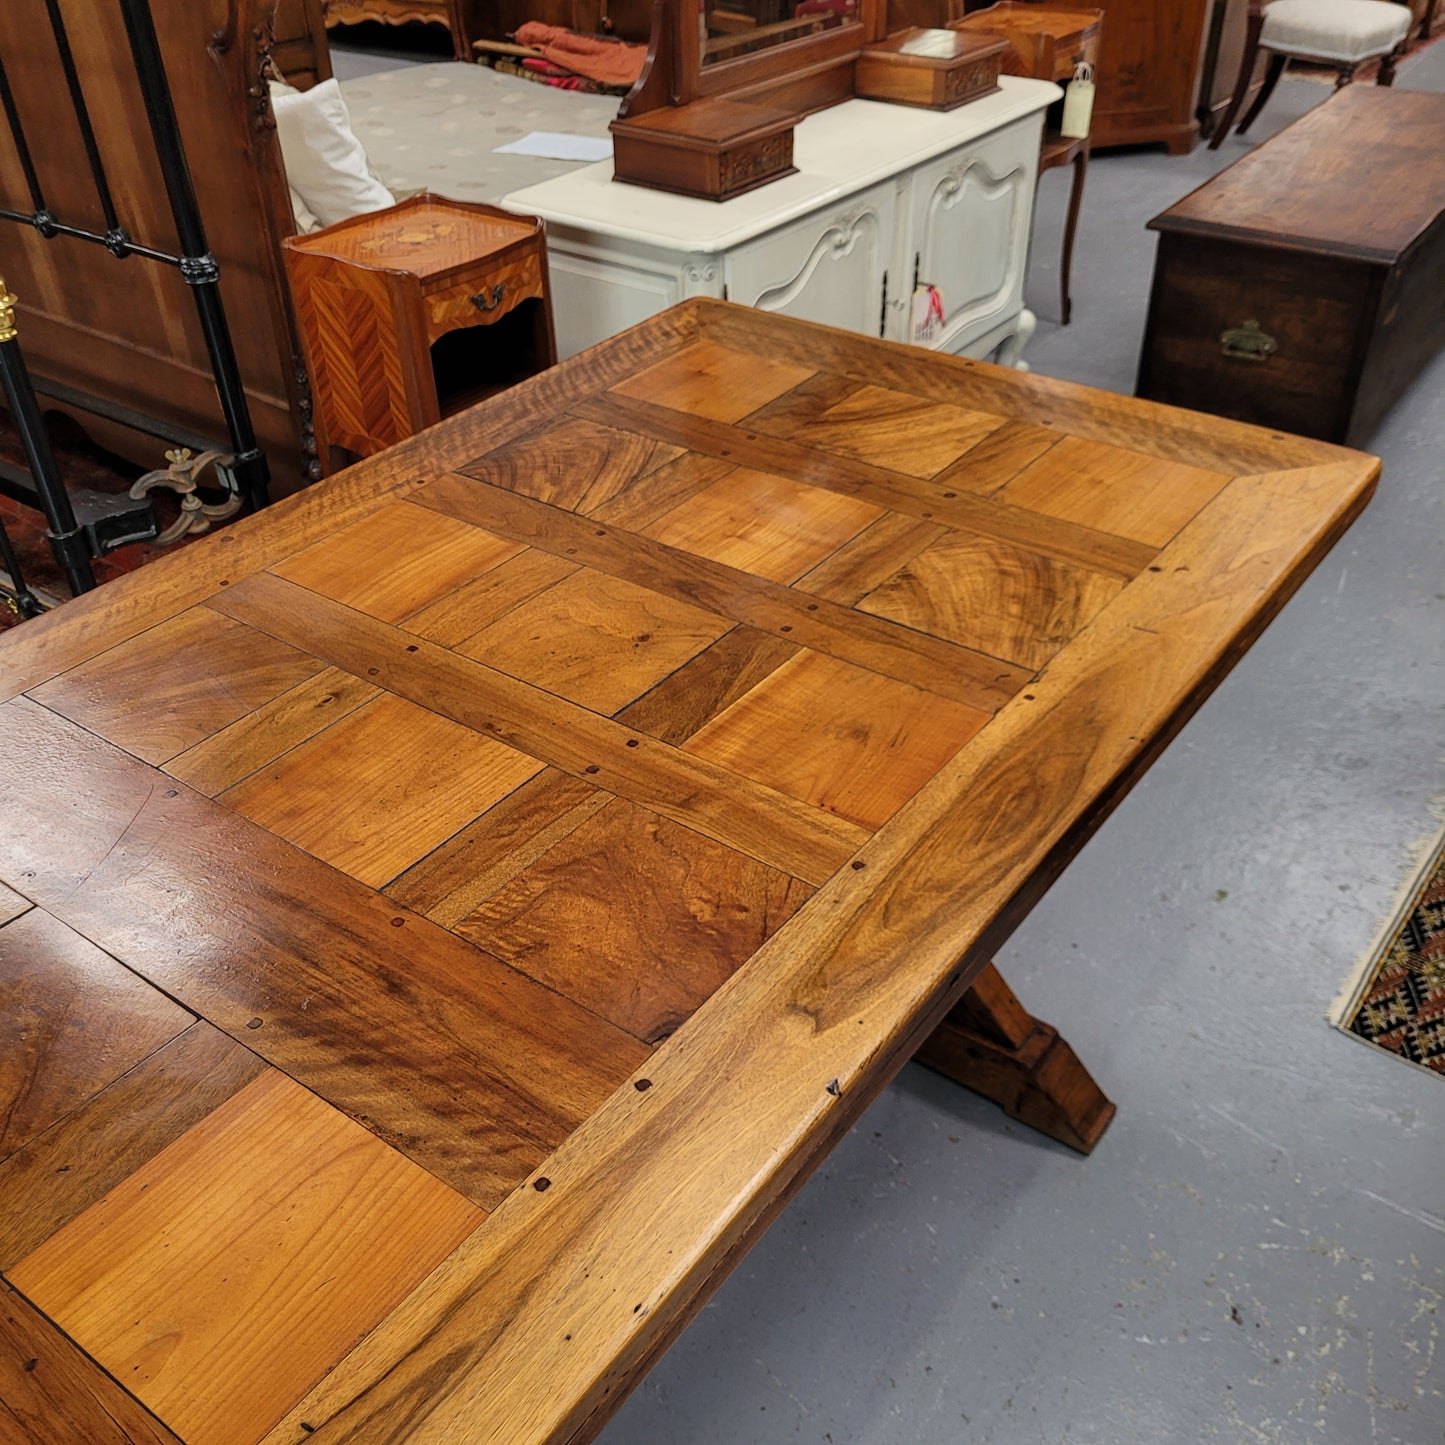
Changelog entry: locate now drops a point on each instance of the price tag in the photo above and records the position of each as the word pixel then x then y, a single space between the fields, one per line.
pixel 927 313
pixel 1078 103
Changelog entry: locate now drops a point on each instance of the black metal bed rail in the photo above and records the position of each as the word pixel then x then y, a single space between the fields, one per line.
pixel 17 595
pixel 66 538
pixel 243 469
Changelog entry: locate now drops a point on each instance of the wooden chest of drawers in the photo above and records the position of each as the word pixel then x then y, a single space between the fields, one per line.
pixel 1300 289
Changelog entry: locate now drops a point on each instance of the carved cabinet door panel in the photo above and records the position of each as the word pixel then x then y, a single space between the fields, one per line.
pixel 827 266
pixel 968 233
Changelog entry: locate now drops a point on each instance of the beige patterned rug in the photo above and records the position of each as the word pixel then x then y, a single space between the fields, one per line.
pixel 432 127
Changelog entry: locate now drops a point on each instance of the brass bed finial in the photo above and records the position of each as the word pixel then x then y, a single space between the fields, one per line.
pixel 7 313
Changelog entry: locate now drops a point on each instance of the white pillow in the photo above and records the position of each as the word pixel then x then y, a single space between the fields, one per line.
pixel 325 162
pixel 306 223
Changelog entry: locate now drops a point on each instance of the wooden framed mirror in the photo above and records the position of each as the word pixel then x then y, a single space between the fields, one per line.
pixel 795 55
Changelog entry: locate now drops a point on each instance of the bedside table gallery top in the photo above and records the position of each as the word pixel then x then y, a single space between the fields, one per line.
pixel 427 235
pixel 456 907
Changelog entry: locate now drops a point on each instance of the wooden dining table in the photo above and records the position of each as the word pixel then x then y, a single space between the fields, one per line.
pixel 447 915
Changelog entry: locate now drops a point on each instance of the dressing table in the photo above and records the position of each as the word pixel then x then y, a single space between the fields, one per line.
pixel 875 201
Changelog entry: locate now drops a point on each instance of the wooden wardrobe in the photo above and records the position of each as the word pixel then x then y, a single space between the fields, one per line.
pixel 1162 64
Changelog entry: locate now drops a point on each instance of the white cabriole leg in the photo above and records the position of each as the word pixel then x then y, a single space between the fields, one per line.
pixel 1011 353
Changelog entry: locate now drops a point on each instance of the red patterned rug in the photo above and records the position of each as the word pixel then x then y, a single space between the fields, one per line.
pixel 83 464
pixel 1399 1003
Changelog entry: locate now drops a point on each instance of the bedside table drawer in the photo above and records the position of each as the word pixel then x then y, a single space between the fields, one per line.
pixel 484 298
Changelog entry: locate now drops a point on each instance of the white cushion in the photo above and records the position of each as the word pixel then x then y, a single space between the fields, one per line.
pixel 1343 30
pixel 325 162
pixel 301 214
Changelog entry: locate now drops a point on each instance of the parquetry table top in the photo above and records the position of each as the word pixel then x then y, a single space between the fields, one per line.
pixel 446 916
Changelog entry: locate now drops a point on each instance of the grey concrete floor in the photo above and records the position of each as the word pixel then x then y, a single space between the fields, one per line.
pixel 1255 1254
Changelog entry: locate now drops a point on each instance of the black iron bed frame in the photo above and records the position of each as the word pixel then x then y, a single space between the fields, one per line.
pixel 105 523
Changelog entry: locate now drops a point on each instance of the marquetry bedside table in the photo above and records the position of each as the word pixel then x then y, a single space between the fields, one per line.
pixel 413 314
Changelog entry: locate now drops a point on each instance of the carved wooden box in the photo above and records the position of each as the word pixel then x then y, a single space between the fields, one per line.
pixel 712 148
pixel 935 69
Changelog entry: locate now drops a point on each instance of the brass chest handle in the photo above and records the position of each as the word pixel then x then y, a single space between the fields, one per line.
pixel 481 302
pixel 1248 342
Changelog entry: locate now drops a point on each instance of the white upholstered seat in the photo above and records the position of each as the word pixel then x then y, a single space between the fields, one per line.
pixel 1343 31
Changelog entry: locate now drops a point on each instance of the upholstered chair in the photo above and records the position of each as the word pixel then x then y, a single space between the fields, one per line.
pixel 1342 33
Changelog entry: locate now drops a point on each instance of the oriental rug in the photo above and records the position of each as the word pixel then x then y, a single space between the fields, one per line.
pixel 1398 1003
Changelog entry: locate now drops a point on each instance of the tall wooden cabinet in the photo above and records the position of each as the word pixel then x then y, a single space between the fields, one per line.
pixel 1149 64
pixel 1151 59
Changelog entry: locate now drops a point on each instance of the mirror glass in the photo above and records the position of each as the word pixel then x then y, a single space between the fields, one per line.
pixel 730 28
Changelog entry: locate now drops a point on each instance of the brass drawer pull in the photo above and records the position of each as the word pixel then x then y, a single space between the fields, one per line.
pixel 1248 342
pixel 481 302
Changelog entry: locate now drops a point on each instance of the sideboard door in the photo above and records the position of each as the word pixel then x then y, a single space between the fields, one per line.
pixel 827 266
pixel 969 218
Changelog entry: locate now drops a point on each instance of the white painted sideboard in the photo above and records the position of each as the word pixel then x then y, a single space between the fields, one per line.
pixel 885 195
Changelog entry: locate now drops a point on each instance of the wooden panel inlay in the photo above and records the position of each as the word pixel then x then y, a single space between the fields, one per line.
pixel 994 596
pixel 928 500
pixel 453 619
pixel 1127 493
pixel 381 788
pixel 677 707
pixel 850 741
pixel 12 905
pixel 52 1394
pixel 998 458
pixel 394 1023
pixel 261 737
pixel 598 640
pixel 791 613
pixel 73 1163
pixel 788 414
pixel 769 825
pixel 72 1020
pixel 657 493
pixel 578 465
pixel 870 558
pixel 198 672
pixel 711 380
pixel 397 560
pixel 230 1272
pixel 635 918
pixel 895 430
pixel 473 864
pixel 763 524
